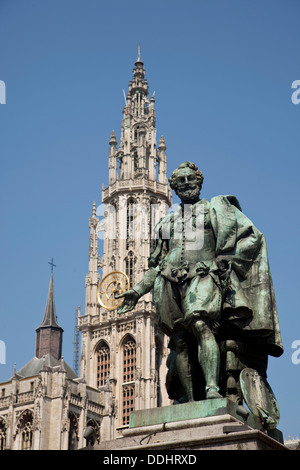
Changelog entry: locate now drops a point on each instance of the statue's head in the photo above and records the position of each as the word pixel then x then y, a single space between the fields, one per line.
pixel 187 181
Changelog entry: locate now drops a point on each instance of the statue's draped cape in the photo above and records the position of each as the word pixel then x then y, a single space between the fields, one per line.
pixel 238 240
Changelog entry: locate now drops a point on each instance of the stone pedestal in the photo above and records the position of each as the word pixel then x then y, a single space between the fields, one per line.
pixel 217 424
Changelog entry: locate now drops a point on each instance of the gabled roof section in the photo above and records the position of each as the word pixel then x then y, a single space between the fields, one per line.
pixel 35 365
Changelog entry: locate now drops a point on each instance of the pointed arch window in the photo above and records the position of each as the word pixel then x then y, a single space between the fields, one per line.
pixel 129 370
pixel 130 263
pixel 147 158
pixel 136 134
pixel 135 161
pixel 26 429
pixel 130 227
pixel 103 364
pixel 129 360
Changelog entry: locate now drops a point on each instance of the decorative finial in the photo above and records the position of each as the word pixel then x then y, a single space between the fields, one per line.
pixel 94 210
pixel 52 265
pixel 139 52
pixel 113 139
pixel 62 364
pixel 162 143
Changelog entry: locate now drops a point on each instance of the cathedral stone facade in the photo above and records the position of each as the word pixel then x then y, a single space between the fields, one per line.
pixel 126 353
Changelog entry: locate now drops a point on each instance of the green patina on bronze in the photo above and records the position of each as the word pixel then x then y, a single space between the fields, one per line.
pixel 213 294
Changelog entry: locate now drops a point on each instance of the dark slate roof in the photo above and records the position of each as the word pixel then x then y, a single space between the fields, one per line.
pixel 50 311
pixel 35 365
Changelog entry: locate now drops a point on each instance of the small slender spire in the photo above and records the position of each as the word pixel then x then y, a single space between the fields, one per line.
pixel 139 60
pixel 50 311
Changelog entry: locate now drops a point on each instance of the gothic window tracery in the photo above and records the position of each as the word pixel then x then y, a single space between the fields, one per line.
pixel 130 264
pixel 147 157
pixel 131 209
pixel 25 427
pixel 135 161
pixel 129 369
pixel 103 363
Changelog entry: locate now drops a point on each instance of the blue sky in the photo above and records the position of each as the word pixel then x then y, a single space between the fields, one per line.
pixel 222 72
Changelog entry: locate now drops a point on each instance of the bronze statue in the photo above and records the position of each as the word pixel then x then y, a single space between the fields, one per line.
pixel 213 293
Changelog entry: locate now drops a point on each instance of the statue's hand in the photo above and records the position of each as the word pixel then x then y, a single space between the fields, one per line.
pixel 130 299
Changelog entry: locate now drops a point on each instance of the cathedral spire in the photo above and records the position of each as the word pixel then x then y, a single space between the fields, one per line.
pixel 137 155
pixel 139 83
pixel 49 333
pixel 50 311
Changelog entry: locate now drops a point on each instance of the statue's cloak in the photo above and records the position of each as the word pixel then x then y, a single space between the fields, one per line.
pixel 249 311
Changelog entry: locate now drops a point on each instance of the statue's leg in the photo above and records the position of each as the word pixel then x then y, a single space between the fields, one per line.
pixel 183 364
pixel 208 356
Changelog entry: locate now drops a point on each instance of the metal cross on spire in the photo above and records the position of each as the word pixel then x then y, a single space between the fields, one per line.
pixel 52 265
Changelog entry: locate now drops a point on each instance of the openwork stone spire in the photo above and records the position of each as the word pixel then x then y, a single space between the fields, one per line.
pixel 137 155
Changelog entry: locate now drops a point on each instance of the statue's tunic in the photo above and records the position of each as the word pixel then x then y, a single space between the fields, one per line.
pixel 211 263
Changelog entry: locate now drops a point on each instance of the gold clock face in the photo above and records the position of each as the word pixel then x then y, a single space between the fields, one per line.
pixel 115 283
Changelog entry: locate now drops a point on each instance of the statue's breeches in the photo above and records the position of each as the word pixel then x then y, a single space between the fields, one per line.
pixel 196 298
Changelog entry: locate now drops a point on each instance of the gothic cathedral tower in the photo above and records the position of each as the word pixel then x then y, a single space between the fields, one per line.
pixel 127 351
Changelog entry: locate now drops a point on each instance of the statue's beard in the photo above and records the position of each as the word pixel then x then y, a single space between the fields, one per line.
pixel 189 194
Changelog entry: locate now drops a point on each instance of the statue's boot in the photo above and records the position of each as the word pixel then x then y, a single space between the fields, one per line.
pixel 213 392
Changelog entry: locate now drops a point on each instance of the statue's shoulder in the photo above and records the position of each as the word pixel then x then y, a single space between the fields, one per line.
pixel 166 219
pixel 218 201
